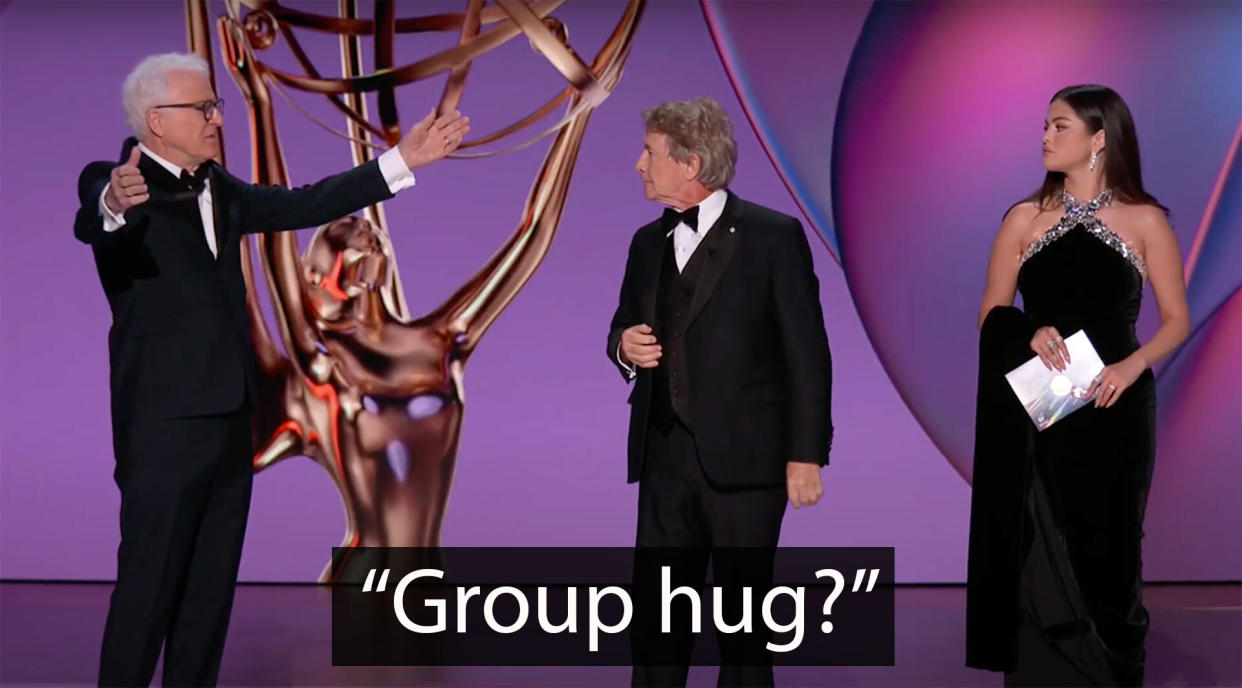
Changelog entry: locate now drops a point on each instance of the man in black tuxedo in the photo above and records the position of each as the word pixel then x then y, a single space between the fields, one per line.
pixel 165 226
pixel 719 326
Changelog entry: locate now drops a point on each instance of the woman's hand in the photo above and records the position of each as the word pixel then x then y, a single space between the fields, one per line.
pixel 1049 345
pixel 1115 379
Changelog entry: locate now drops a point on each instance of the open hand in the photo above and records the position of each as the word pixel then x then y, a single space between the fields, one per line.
pixel 433 138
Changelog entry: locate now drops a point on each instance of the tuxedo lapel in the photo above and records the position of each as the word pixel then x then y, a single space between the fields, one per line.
pixel 654 259
pixel 164 186
pixel 168 195
pixel 718 246
pixel 225 239
pixel 172 194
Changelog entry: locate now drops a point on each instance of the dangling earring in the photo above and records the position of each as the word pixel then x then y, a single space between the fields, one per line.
pixel 1094 156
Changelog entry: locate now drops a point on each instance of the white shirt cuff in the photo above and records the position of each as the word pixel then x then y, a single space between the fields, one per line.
pixel 111 221
pixel 629 369
pixel 395 172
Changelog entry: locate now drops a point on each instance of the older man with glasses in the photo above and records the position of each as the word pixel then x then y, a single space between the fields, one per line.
pixel 165 226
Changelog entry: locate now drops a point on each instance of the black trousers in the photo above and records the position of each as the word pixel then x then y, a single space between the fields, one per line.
pixel 185 496
pixel 683 514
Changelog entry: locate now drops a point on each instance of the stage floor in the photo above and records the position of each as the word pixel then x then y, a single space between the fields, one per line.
pixel 280 636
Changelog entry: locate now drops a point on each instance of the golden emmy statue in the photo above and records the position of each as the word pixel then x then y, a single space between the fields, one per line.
pixel 372 395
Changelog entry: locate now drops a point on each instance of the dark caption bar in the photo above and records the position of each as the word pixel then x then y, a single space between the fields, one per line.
pixel 612 606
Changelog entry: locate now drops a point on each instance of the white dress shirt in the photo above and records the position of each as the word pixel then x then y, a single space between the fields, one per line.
pixel 685 241
pixel 391 165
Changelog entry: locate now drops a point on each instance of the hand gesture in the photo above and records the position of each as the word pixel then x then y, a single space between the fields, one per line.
pixel 126 188
pixel 433 138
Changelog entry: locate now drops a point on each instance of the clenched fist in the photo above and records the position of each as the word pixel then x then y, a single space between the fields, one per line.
pixel 639 347
pixel 802 483
pixel 126 188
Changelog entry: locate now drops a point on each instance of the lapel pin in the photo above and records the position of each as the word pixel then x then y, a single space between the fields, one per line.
pixel 732 230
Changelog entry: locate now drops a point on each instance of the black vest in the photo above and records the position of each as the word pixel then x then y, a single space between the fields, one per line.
pixel 670 381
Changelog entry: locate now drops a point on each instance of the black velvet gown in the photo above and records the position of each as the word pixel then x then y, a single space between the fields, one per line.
pixel 1054 576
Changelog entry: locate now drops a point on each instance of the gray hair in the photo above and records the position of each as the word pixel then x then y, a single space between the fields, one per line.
pixel 700 127
pixel 147 84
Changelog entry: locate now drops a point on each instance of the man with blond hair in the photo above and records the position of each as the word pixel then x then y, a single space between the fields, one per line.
pixel 719 326
pixel 165 227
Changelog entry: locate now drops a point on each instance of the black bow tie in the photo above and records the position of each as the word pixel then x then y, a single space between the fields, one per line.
pixel 197 181
pixel 690 217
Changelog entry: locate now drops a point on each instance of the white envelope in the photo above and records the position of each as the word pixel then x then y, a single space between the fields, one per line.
pixel 1050 395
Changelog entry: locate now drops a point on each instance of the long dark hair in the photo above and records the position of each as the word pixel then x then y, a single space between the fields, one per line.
pixel 1101 108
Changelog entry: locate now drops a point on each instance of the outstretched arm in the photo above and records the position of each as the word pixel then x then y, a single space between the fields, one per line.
pixel 274 208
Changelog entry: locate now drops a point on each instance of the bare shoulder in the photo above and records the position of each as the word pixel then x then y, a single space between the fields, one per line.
pixel 1021 214
pixel 1019 221
pixel 1023 210
pixel 1146 216
pixel 1145 221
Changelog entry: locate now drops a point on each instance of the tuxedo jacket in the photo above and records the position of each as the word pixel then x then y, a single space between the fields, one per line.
pixel 759 368
pixel 179 343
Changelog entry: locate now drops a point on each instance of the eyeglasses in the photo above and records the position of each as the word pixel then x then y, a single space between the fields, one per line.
pixel 207 107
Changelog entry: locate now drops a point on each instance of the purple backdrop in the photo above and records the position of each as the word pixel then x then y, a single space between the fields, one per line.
pixel 542 455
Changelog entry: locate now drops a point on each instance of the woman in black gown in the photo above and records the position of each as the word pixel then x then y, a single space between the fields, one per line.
pixel 1054 577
